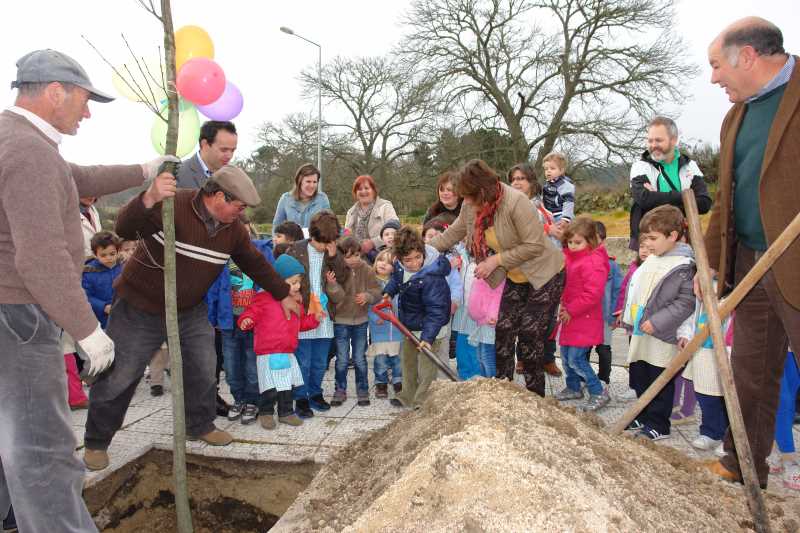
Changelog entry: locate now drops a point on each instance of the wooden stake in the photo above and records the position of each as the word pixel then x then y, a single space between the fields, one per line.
pixel 755 499
pixel 726 307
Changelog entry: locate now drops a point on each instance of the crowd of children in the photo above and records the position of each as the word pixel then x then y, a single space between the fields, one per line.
pixel 271 362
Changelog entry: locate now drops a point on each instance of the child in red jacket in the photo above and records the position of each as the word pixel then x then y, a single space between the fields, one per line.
pixel 581 313
pixel 275 340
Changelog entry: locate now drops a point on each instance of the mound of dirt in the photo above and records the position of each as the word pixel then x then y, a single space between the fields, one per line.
pixel 486 455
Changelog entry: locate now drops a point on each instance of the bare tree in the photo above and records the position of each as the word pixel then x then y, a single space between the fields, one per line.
pixel 385 109
pixel 543 71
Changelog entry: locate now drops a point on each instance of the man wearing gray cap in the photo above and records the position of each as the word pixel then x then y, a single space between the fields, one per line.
pixel 41 261
pixel 208 233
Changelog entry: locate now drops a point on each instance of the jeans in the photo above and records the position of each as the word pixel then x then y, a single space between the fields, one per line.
pixel 137 335
pixel 466 358
pixel 241 371
pixel 383 363
pixel 312 358
pixel 784 418
pixel 39 471
pixel 714 419
pixel 487 360
pixel 351 340
pixel 577 368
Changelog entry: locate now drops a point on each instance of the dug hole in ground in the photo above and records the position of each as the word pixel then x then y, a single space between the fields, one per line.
pixel 486 455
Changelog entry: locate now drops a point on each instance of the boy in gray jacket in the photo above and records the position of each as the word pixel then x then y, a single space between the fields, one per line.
pixel 659 301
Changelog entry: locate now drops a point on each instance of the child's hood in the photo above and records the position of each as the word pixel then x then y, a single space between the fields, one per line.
pixel 94 265
pixel 681 249
pixel 435 263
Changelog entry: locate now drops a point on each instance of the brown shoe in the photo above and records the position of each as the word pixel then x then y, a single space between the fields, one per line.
pixel 215 438
pixel 95 459
pixel 552 369
pixel 267 421
pixel 381 390
pixel 398 388
pixel 717 468
pixel 291 420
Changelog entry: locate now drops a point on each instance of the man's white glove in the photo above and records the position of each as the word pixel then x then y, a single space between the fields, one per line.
pixel 99 350
pixel 150 169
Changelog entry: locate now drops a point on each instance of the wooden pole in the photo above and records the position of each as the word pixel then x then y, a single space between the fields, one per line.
pixel 726 307
pixel 182 509
pixel 755 499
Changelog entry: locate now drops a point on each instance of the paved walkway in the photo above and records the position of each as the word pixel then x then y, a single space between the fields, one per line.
pixel 149 424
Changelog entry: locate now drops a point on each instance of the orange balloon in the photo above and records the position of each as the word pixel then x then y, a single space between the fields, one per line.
pixel 191 42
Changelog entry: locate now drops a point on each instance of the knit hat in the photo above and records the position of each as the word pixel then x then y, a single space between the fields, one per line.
pixel 390 224
pixel 287 266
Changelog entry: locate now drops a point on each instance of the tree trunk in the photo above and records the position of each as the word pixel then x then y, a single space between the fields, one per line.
pixel 182 509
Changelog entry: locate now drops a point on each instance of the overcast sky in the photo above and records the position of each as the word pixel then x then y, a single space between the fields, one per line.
pixel 264 63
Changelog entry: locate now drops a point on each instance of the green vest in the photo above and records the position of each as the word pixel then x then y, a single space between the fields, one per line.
pixel 748 158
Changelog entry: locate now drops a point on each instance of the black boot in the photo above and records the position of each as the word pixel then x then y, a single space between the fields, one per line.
pixel 604 362
pixel 222 406
pixel 303 409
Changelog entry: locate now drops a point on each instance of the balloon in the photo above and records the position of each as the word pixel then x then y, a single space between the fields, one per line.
pixel 188 130
pixel 227 106
pixel 201 81
pixel 191 42
pixel 146 76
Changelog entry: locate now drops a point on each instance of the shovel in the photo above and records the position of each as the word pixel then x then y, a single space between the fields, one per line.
pixel 380 310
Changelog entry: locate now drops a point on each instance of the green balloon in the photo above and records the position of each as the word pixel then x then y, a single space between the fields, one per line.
pixel 188 130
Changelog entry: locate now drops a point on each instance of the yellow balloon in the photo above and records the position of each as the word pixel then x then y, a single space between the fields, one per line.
pixel 191 42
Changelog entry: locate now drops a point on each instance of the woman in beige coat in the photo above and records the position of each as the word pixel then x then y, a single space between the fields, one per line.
pixel 368 215
pixel 508 243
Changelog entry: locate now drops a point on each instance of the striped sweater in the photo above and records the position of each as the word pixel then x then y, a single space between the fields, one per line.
pixel 200 254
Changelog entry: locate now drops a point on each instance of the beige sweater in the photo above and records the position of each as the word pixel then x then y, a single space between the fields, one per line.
pixel 382 213
pixel 347 311
pixel 41 240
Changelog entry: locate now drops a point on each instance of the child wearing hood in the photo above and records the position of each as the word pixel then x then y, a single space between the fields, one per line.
pixel 419 280
pixel 660 302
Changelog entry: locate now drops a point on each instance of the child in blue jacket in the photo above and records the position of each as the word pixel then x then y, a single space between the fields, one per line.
pixel 386 340
pixel 419 280
pixel 99 274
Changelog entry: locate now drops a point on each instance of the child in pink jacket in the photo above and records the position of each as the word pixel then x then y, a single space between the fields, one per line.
pixel 581 313
pixel 275 341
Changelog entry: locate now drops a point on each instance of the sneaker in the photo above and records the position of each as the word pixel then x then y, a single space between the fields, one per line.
pixel 704 442
pixel 628 395
pixel 775 461
pixel 339 397
pixel 719 451
pixel 791 476
pixel 552 369
pixel 303 410
pixel 634 426
pixel 95 459
pixel 267 421
pixel 291 420
pixel 381 391
pixel 652 434
pixel 597 401
pixel 235 411
pixel 156 390
pixel 568 394
pixel 215 437
pixel 318 403
pixel 249 414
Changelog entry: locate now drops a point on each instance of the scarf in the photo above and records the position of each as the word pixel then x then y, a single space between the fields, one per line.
pixel 362 221
pixel 484 218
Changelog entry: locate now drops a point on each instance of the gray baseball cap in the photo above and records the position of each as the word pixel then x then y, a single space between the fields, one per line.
pixel 44 66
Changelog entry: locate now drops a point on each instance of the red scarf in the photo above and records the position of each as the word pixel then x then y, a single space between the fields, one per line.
pixel 484 218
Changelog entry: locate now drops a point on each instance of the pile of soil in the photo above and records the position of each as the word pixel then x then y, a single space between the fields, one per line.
pixel 486 455
pixel 226 495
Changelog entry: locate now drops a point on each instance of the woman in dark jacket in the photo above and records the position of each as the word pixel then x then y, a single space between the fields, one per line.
pixel 447 200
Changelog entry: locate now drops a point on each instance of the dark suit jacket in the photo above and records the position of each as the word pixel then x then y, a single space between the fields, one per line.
pixel 779 193
pixel 191 174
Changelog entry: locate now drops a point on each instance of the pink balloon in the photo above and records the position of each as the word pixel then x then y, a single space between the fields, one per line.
pixel 227 106
pixel 201 81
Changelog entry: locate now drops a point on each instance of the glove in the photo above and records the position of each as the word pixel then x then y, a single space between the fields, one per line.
pixel 150 169
pixel 99 350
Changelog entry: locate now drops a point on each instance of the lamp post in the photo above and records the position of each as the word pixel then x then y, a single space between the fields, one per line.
pixel 289 31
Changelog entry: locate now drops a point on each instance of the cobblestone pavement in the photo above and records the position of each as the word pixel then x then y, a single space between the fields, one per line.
pixel 149 424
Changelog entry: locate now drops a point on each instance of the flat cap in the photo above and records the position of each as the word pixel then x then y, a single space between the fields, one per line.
pixel 45 66
pixel 237 183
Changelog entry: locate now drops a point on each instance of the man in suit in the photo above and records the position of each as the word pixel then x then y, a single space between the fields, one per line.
pixel 757 198
pixel 217 146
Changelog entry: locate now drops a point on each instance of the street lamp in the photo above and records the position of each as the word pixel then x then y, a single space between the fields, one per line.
pixel 289 31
